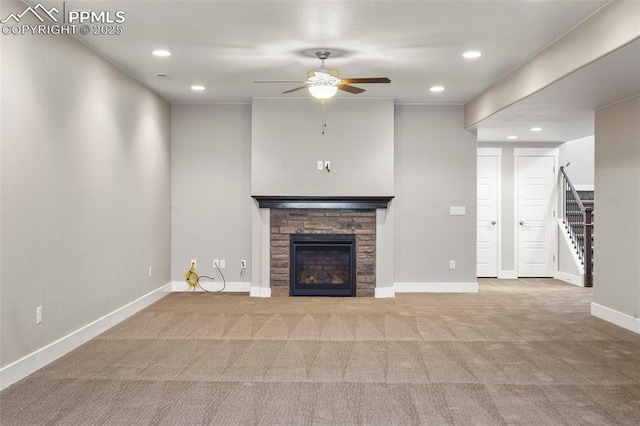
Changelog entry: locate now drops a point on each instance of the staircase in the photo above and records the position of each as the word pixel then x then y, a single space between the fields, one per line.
pixel 578 220
pixel 575 222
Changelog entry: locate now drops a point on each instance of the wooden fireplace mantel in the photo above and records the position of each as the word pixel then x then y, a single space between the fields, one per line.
pixel 324 202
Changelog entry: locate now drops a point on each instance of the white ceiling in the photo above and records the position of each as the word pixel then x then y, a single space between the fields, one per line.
pixel 226 45
pixel 565 109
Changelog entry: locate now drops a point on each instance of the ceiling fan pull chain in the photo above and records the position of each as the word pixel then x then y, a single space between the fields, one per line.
pixel 324 116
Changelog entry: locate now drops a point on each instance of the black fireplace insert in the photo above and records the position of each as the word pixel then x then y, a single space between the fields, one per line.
pixel 322 265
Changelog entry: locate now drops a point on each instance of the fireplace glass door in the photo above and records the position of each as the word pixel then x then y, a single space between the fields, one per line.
pixel 322 265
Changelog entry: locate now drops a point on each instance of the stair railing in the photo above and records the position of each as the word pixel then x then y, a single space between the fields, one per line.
pixel 577 214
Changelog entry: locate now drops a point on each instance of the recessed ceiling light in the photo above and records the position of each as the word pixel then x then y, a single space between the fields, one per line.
pixel 471 54
pixel 437 89
pixel 161 53
pixel 197 88
pixel 512 137
pixel 536 129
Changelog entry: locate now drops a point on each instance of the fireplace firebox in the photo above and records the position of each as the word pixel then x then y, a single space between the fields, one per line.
pixel 322 265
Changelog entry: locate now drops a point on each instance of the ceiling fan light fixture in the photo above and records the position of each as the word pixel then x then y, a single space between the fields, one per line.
pixel 324 83
pixel 323 91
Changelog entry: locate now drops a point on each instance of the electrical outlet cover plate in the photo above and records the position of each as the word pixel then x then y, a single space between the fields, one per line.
pixel 243 264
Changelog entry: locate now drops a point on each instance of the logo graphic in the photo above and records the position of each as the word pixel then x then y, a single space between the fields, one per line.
pixel 72 22
pixel 34 11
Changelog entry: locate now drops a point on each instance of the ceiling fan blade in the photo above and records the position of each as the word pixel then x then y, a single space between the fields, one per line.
pixel 366 80
pixel 351 89
pixel 294 90
pixel 278 81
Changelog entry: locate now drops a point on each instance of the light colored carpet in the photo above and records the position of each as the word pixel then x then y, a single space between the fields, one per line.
pixel 523 352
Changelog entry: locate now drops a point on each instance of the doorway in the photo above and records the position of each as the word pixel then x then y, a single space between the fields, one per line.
pixel 535 210
pixel 488 213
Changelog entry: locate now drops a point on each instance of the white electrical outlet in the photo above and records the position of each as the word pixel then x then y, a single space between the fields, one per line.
pixel 150 272
pixel 452 264
pixel 320 165
pixel 243 264
pixel 223 263
pixel 216 263
pixel 327 165
pixel 194 263
pixel 38 314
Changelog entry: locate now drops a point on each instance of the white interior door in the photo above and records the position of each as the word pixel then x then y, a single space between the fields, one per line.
pixel 534 219
pixel 487 216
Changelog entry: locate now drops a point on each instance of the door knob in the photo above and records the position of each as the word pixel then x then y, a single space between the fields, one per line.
pixel 493 222
pixel 522 222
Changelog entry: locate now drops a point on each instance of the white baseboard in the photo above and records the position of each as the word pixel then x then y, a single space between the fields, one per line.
pixel 21 368
pixel 436 287
pixel 569 278
pixel 507 275
pixel 232 287
pixel 260 292
pixel 382 292
pixel 615 317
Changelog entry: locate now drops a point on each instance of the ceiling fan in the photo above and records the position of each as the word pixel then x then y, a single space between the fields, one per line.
pixel 324 83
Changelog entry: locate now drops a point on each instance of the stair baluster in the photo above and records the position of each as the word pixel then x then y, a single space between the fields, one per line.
pixel 578 219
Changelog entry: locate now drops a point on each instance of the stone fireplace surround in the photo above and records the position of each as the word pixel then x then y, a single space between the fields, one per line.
pixel 361 223
pixel 276 218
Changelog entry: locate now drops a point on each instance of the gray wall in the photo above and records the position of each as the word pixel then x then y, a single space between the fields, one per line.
pixel 287 142
pixel 435 164
pixel 617 230
pixel 435 161
pixel 85 196
pixel 580 152
pixel 211 198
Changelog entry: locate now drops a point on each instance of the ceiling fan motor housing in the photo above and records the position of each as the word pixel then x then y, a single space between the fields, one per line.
pixel 321 72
